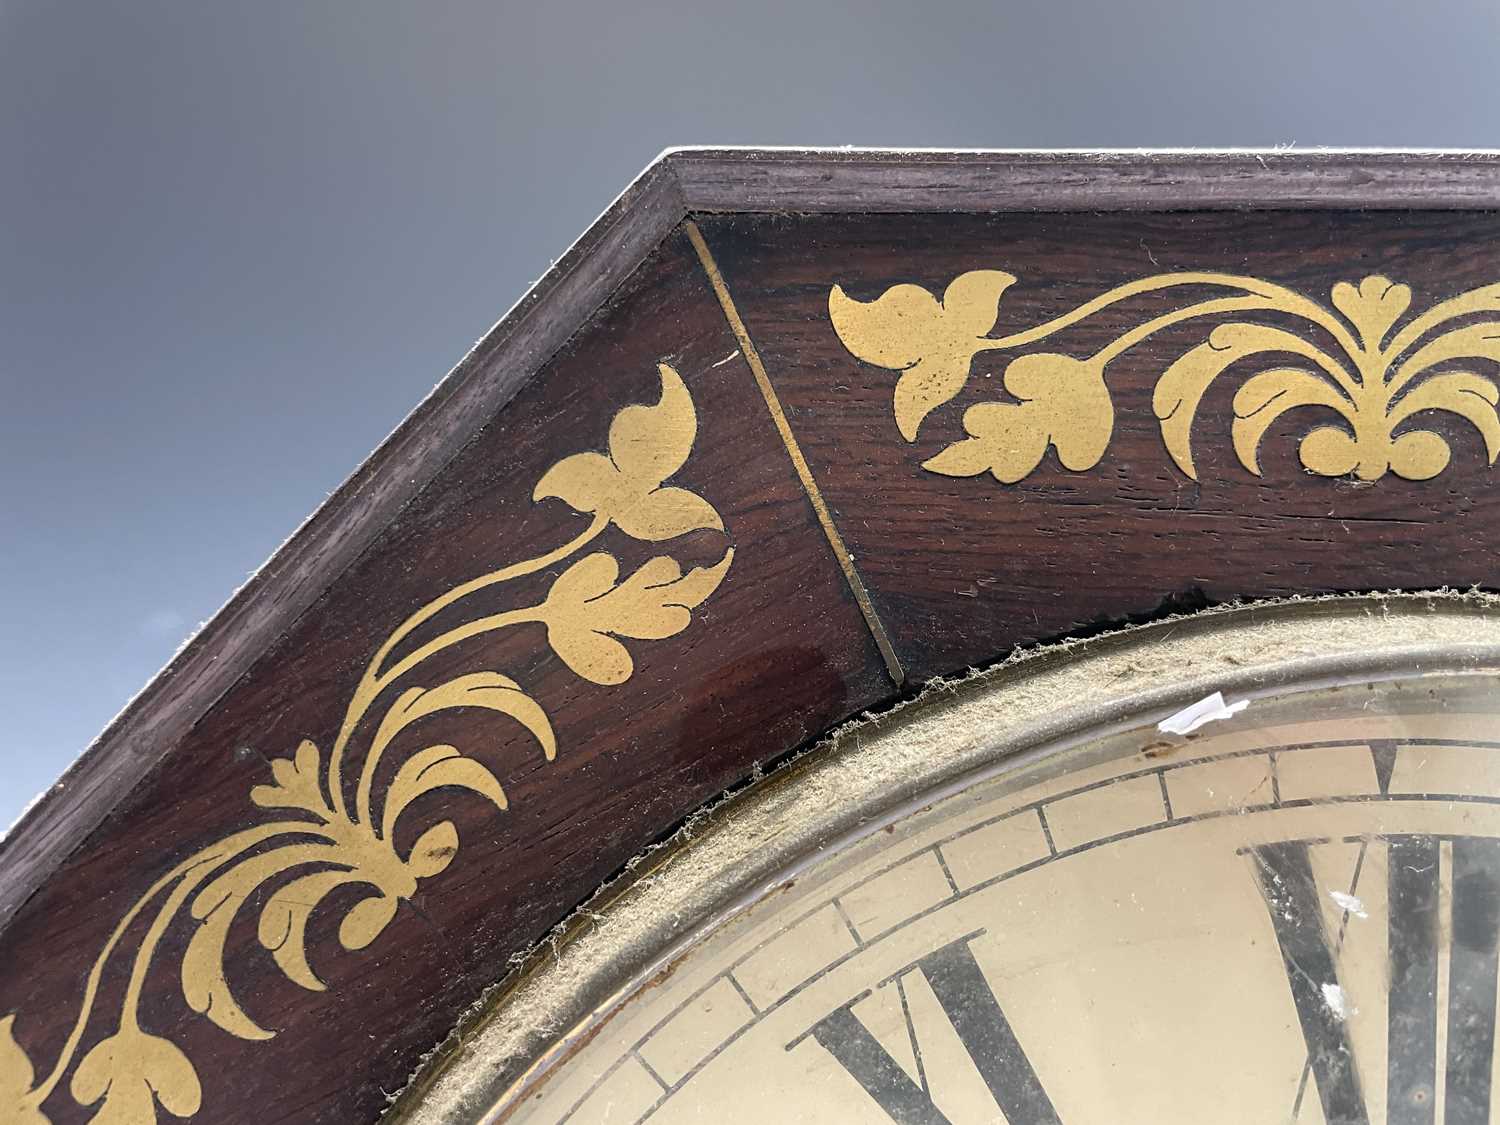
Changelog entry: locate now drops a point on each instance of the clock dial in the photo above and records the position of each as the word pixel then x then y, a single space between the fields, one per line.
pixel 1290 915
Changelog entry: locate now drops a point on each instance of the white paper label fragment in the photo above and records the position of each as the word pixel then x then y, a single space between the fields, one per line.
pixel 1206 710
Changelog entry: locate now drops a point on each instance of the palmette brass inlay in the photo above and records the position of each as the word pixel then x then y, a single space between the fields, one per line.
pixel 1375 379
pixel 586 611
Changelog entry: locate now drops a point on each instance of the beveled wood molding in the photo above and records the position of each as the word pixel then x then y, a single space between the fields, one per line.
pixel 733 180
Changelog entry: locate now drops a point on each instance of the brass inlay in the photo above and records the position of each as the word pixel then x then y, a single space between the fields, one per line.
pixel 1373 381
pixel 586 610
pixel 794 451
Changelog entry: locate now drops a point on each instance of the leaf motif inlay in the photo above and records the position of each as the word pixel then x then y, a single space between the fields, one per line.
pixel 1379 374
pixel 130 1072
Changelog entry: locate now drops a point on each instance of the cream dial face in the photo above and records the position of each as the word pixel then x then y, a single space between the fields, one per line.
pixel 1289 917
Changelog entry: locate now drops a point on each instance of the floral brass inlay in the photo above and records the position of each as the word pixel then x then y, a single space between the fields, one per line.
pixel 1375 379
pixel 586 611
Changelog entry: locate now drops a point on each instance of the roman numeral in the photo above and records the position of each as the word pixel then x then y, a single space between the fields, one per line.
pixel 976 1015
pixel 1473 962
pixel 1286 880
pixel 1414 939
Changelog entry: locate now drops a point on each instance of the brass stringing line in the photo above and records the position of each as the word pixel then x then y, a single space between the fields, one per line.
pixel 794 451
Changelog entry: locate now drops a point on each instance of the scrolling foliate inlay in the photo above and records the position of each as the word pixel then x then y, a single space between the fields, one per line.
pixel 586 611
pixel 1374 378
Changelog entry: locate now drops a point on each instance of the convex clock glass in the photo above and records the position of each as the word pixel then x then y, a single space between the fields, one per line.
pixel 1289 915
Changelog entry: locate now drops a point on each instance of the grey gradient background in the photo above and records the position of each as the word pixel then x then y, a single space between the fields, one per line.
pixel 239 241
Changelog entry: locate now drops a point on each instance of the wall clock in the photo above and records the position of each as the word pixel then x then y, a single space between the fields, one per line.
pixel 431 821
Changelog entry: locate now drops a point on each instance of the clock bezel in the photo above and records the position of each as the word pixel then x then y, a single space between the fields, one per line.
pixel 881 768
